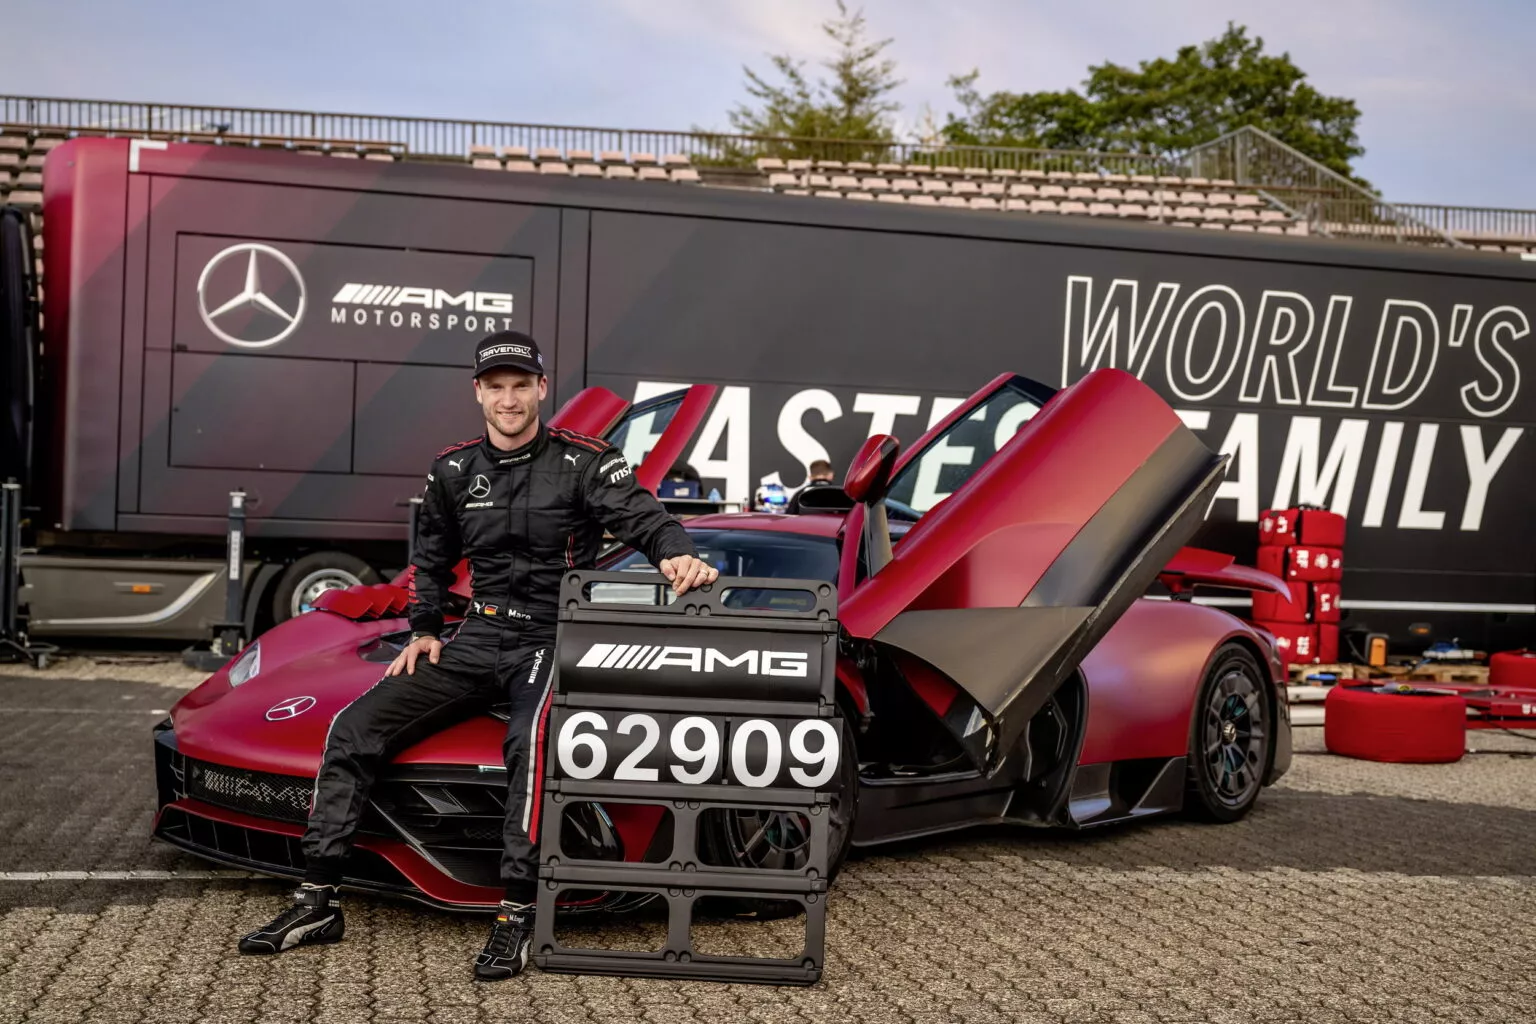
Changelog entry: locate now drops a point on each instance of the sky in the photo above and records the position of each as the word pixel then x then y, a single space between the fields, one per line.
pixel 1447 90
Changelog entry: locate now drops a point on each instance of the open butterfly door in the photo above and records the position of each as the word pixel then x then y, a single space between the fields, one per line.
pixel 1038 521
pixel 651 434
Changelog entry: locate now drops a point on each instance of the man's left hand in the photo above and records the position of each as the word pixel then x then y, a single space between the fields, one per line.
pixel 687 572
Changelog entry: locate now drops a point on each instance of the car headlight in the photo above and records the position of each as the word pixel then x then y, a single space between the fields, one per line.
pixel 246 666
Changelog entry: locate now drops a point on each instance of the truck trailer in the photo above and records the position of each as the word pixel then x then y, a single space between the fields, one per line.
pixel 218 318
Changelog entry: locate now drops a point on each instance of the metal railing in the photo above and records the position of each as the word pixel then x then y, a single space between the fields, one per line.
pixel 429 136
pixel 1285 207
pixel 741 150
pixel 1476 222
pixel 1328 201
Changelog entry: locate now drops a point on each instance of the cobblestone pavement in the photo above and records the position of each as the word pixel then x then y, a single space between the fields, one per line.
pixel 1355 892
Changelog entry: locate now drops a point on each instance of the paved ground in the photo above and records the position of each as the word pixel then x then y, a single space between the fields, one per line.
pixel 1355 892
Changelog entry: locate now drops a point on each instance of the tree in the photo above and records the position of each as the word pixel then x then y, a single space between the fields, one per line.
pixel 1031 120
pixel 1165 107
pixel 854 104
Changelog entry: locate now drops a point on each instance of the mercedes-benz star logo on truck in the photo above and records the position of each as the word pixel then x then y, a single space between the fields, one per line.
pixel 279 322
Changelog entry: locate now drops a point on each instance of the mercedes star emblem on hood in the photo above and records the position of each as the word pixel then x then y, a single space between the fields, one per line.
pixel 293 707
pixel 255 295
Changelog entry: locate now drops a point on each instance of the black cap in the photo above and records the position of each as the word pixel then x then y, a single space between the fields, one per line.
pixel 508 350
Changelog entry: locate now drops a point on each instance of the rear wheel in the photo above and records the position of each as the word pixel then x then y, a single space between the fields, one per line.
pixel 1229 738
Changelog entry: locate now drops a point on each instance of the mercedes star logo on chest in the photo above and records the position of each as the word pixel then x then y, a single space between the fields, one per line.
pixel 266 272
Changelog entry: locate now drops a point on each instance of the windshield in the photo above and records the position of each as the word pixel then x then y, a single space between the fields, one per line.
pixel 949 459
pixel 763 553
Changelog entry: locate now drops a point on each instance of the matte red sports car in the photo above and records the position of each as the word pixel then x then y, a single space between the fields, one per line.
pixel 1002 657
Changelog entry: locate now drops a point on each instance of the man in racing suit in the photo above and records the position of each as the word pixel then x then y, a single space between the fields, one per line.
pixel 524 503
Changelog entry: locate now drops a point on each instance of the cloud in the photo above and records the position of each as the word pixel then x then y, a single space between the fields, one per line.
pixel 1443 88
pixel 791 26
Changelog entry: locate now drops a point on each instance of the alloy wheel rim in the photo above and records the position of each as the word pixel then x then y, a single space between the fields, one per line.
pixel 1233 737
pixel 770 839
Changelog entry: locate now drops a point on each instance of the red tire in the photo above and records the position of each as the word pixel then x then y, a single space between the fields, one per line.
pixel 1378 725
pixel 1513 668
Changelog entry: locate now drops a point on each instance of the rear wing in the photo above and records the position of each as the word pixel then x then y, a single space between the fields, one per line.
pixel 1197 567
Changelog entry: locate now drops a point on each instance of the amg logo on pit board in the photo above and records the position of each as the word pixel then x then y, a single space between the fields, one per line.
pixel 648 657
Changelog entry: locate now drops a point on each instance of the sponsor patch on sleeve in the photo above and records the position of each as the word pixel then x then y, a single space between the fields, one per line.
pixel 615 469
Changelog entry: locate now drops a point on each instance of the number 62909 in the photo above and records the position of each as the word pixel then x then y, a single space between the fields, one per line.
pixel 694 749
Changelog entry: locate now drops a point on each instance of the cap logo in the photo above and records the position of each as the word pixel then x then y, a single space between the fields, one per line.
pixel 522 351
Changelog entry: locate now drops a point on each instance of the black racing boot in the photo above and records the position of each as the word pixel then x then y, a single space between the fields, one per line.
pixel 315 918
pixel 506 951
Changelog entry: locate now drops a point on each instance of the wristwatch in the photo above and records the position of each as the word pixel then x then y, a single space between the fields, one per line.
pixel 420 636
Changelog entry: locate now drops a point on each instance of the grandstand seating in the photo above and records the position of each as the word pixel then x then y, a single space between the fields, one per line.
pixel 1165 198
pixel 583 163
pixel 23 151
pixel 1168 199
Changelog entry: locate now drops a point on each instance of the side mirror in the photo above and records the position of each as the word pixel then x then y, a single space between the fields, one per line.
pixel 869 474
pixel 868 480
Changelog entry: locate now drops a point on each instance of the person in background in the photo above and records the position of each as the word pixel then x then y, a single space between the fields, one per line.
pixel 818 474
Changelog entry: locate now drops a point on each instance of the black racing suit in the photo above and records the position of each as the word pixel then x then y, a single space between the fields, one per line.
pixel 522 518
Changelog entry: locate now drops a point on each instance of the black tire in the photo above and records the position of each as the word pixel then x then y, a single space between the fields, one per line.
pixel 845 809
pixel 307 576
pixel 723 841
pixel 1229 738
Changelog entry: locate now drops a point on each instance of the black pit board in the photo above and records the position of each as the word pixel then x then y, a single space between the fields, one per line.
pixel 712 686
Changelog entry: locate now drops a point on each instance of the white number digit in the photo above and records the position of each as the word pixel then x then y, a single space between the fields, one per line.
pixel 629 768
pixel 707 755
pixel 826 756
pixel 775 756
pixel 568 741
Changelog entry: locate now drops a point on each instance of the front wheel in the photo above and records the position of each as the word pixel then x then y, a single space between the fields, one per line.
pixel 744 837
pixel 1229 741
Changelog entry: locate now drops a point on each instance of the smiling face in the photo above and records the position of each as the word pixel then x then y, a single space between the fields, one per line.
pixel 510 401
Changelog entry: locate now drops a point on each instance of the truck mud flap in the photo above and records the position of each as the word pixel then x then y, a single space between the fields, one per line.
pixel 673 717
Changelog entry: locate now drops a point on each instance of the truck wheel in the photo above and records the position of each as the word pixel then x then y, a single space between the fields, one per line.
pixel 309 577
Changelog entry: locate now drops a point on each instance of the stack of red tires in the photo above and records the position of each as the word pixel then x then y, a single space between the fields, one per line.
pixel 1305 548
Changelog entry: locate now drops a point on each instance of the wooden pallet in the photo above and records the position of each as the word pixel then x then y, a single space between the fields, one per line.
pixel 1398 673
pixel 1299 673
pixel 1449 674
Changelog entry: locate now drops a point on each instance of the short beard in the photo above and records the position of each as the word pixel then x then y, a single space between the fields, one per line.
pixel 510 441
